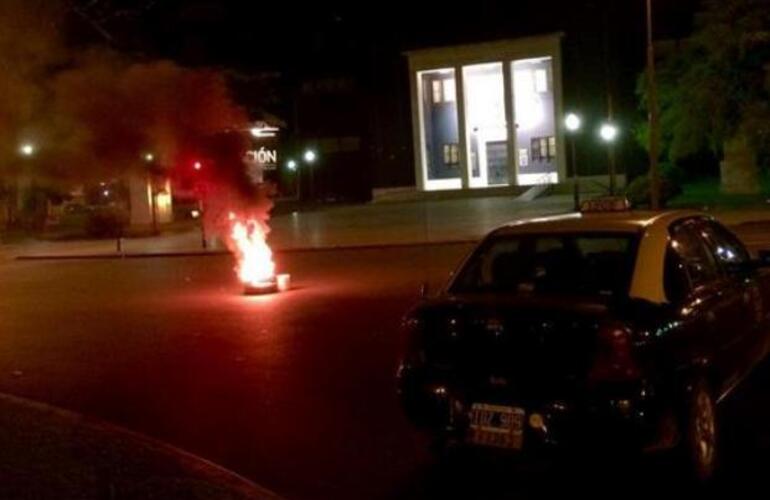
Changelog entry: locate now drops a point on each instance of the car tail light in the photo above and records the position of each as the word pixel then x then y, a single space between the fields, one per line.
pixel 614 360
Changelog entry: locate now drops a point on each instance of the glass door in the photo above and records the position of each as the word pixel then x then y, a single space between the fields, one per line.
pixel 486 125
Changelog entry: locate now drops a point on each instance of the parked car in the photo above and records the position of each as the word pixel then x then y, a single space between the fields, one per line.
pixel 623 328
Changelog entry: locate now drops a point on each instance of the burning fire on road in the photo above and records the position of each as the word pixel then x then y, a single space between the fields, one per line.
pixel 255 265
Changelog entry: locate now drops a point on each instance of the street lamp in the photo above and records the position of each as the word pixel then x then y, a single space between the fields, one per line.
pixel 310 156
pixel 27 149
pixel 573 123
pixel 149 157
pixel 291 166
pixel 609 133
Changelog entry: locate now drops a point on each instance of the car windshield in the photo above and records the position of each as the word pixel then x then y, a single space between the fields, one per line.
pixel 571 264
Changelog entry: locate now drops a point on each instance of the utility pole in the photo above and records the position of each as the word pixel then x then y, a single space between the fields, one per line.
pixel 611 149
pixel 609 87
pixel 652 98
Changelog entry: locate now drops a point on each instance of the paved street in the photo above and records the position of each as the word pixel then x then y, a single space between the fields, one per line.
pixel 293 391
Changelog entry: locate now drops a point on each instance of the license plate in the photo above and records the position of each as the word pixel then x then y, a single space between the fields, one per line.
pixel 497 426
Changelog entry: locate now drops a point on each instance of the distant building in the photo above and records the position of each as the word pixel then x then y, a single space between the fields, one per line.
pixel 486 115
pixel 149 201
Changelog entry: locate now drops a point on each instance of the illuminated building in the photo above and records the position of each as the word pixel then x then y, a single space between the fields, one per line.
pixel 464 101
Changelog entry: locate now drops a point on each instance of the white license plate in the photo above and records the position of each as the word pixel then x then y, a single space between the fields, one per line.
pixel 497 426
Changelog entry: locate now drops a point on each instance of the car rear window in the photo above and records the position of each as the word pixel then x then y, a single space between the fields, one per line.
pixel 598 264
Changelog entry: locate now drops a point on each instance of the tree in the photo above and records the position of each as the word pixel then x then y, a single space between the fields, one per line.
pixel 30 50
pixel 93 113
pixel 715 92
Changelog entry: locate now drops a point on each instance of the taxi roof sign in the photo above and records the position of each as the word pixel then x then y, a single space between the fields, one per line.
pixel 605 204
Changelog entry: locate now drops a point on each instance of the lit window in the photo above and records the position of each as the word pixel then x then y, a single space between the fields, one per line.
pixel 449 90
pixel 551 147
pixel 543 148
pixel 541 81
pixel 451 154
pixel 436 91
pixel 537 154
pixel 523 157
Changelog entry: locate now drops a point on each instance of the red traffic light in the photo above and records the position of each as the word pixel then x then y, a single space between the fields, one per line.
pixel 197 165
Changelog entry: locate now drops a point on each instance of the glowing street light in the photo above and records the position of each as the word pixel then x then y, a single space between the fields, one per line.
pixel 27 149
pixel 310 156
pixel 106 193
pixel 573 122
pixel 149 157
pixel 291 165
pixel 608 132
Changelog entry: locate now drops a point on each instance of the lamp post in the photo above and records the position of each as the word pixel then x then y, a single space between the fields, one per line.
pixel 291 166
pixel 310 157
pixel 22 182
pixel 652 98
pixel 573 123
pixel 609 133
pixel 200 190
pixel 150 158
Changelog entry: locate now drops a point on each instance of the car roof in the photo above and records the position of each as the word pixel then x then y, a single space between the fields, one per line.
pixel 627 221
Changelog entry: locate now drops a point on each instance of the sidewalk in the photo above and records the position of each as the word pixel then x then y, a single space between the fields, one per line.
pixel 52 453
pixel 366 225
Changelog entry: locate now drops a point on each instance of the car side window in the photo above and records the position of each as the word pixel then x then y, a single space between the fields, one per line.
pixel 676 282
pixel 698 260
pixel 725 246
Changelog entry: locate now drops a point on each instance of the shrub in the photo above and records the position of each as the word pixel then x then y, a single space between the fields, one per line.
pixel 671 179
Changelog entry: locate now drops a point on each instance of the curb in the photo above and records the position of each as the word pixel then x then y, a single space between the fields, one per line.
pixel 194 462
pixel 118 256
pixel 219 253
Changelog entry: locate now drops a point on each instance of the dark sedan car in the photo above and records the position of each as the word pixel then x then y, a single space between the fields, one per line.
pixel 624 328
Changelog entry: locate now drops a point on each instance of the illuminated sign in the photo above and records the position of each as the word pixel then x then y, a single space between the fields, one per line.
pixel 262 130
pixel 265 158
pixel 259 161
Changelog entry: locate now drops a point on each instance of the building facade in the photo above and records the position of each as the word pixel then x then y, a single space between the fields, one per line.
pixel 487 115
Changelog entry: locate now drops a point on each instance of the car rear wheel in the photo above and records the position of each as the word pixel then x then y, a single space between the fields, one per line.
pixel 700 439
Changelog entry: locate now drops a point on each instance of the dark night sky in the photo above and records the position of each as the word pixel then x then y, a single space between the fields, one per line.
pixel 277 35
pixel 604 48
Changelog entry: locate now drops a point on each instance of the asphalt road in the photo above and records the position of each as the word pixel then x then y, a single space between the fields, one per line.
pixel 294 391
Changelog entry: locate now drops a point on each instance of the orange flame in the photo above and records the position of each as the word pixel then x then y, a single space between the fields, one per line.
pixel 255 259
